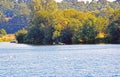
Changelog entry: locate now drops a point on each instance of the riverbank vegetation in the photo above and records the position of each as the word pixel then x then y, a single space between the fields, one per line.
pixel 70 22
pixel 4 37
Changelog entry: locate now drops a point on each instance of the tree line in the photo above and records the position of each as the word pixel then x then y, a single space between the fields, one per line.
pixel 51 24
pixel 89 6
pixel 69 22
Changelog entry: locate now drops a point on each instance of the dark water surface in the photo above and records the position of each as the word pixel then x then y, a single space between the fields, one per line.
pixel 20 60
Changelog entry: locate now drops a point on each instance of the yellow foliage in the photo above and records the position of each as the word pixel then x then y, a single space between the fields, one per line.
pixel 101 35
pixel 56 34
pixel 80 40
pixel 7 38
pixel 58 27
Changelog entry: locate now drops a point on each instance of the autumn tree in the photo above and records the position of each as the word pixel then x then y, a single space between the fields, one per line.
pixel 87 32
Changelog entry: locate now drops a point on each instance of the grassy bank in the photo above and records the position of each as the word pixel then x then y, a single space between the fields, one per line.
pixel 7 38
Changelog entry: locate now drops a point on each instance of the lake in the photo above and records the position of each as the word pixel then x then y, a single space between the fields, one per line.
pixel 21 60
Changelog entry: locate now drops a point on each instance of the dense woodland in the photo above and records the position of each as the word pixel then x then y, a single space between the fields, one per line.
pixel 69 22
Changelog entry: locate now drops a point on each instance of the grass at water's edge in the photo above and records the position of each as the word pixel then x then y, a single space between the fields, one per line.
pixel 12 38
pixel 7 38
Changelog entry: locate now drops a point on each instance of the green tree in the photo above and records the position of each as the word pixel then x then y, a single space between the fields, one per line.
pixel 35 35
pixel 114 27
pixel 42 31
pixel 66 36
pixel 45 20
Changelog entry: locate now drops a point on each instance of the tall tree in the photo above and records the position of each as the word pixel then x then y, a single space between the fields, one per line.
pixel 43 11
pixel 114 27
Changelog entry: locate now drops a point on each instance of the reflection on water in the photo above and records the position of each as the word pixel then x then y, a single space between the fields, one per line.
pixel 20 60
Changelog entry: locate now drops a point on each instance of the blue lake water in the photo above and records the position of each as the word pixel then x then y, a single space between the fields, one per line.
pixel 21 60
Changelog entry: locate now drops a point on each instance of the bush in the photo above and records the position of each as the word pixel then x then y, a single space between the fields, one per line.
pixel 20 36
pixel 3 32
